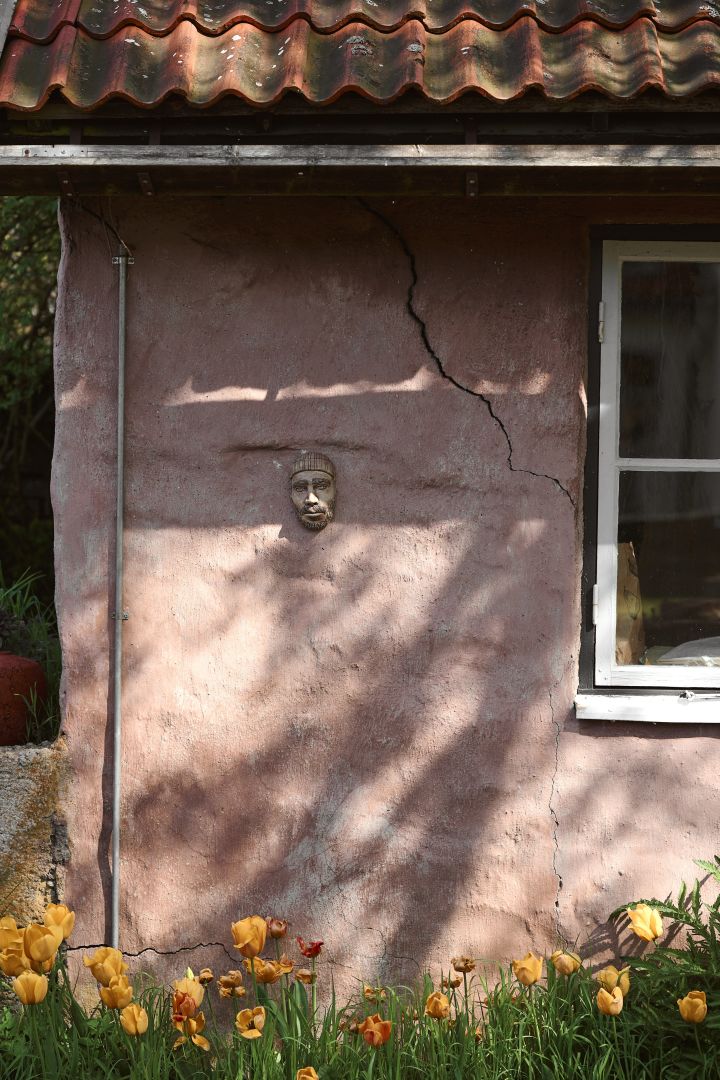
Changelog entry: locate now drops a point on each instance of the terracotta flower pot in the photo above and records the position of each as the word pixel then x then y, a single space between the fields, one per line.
pixel 18 677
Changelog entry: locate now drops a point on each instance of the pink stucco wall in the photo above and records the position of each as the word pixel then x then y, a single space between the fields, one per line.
pixel 368 730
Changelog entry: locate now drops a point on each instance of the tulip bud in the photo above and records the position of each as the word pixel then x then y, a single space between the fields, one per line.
pixel 610 1004
pixel 693 1007
pixel 30 987
pixel 134 1020
pixel 308 1073
pixel 528 970
pixel 565 963
pixel 206 976
pixel 646 922
pixel 277 928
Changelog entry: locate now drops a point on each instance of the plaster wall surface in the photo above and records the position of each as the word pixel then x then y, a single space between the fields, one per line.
pixel 367 730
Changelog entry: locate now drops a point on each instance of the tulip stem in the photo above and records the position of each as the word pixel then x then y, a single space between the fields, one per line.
pixel 314 991
pixel 465 985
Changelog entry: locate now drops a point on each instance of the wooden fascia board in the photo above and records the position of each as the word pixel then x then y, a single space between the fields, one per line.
pixel 598 159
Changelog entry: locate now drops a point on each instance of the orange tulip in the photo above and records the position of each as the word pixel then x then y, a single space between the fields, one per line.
pixel 610 1004
pixel 206 976
pixel 191 1028
pixel 249 935
pixel 266 971
pixel 61 916
pixel 250 1022
pixel 30 987
pixel 646 922
pixel 437 1006
pixel 191 987
pixel 134 1020
pixel 375 1031
pixel 374 993
pixel 105 964
pixel 230 985
pixel 463 964
pixel 450 982
pixel 305 975
pixel 308 1073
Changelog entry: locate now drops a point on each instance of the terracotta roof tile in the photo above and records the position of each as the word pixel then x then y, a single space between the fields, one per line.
pixel 40 20
pixel 93 50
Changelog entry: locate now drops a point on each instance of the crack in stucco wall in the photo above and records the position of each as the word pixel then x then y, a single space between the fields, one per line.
pixel 425 338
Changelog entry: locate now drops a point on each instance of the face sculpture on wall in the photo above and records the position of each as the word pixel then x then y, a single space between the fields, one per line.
pixel 312 487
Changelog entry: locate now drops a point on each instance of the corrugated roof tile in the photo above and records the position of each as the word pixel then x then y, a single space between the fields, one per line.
pixel 40 20
pixel 92 50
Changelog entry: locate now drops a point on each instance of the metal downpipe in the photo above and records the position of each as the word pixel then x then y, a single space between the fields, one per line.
pixel 120 615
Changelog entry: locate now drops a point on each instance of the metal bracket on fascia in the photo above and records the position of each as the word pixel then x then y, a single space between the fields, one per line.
pixel 117 259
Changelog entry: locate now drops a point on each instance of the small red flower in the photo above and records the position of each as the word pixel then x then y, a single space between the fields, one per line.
pixel 309 948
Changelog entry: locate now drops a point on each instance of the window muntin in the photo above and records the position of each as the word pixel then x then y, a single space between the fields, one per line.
pixel 658 611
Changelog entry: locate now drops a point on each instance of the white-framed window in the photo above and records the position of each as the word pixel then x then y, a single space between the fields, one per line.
pixel 656 601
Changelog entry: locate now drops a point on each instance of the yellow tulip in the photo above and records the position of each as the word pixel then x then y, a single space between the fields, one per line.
pixel 463 964
pixel 565 963
pixel 437 1006
pixel 249 935
pixel 610 1004
pixel 191 987
pixel 305 975
pixel 693 1007
pixel 41 943
pixel 61 916
pixel 11 936
pixel 105 964
pixel 134 1020
pixel 610 977
pixel 250 1022
pixel 373 993
pixel 13 962
pixel 646 922
pixel 308 1073
pixel 30 988
pixel 118 993
pixel 529 969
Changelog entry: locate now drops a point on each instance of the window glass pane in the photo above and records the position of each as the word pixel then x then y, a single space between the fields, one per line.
pixel 668 585
pixel 670 360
